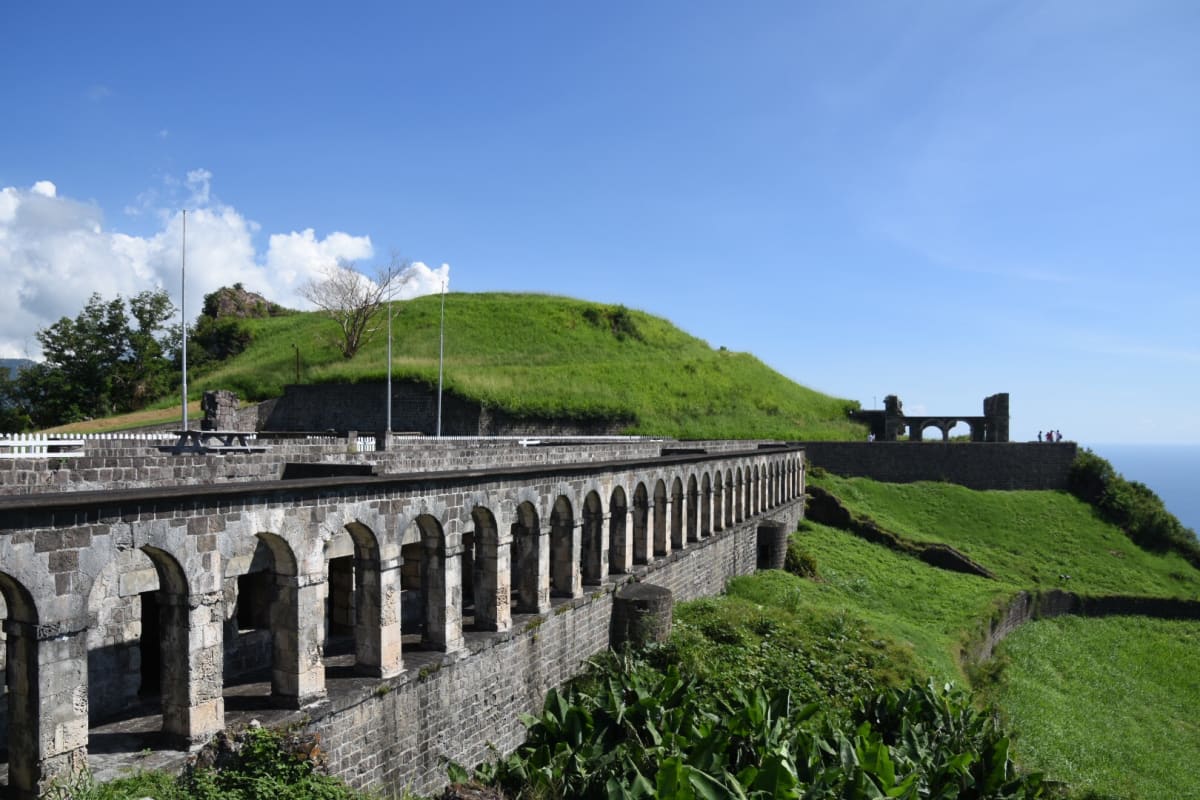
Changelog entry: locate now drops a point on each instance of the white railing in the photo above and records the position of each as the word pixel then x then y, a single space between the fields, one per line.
pixel 39 445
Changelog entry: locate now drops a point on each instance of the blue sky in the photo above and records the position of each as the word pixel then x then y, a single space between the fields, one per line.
pixel 940 200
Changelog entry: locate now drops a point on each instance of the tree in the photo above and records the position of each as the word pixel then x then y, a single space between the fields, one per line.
pixel 354 300
pixel 101 362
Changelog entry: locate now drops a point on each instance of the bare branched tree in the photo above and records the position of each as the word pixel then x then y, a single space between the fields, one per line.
pixel 353 300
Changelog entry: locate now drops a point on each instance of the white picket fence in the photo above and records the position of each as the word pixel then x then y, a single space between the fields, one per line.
pixel 40 445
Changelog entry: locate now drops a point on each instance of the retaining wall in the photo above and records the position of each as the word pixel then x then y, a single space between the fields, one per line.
pixel 990 465
pixel 467 708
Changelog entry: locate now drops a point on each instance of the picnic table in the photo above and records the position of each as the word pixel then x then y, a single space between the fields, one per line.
pixel 193 441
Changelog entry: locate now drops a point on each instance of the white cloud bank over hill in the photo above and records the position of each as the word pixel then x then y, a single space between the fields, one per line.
pixel 55 253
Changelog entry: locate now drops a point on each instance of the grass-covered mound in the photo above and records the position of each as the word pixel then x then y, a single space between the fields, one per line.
pixel 547 356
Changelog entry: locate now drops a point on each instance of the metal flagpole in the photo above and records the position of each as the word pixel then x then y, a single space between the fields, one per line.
pixel 441 358
pixel 388 431
pixel 183 313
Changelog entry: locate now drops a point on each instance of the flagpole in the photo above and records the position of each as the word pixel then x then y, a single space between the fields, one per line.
pixel 183 314
pixel 441 357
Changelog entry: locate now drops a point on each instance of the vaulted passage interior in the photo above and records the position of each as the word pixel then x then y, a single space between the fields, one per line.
pixel 245 597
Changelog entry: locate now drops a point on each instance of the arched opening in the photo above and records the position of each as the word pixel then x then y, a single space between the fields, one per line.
pixel 469 578
pixel 662 546
pixel 730 504
pixel 957 431
pixel 773 485
pixel 620 546
pixel 432 585
pixel 755 489
pixel 592 555
pixel 19 727
pixel 564 572
pixel 641 525
pixel 493 596
pixel 678 512
pixel 356 639
pixel 529 595
pixel 741 497
pixel 707 499
pixel 692 520
pixel 277 620
pixel 124 643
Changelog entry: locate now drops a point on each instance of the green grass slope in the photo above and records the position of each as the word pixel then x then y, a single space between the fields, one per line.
pixel 549 356
pixel 1104 705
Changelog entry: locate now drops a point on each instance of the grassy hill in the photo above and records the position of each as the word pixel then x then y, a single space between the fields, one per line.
pixel 1105 706
pixel 547 356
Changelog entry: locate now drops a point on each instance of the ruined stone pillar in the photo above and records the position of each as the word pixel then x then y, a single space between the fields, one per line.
pixel 604 545
pixel 442 585
pixel 48 729
pixel 192 632
pixel 772 544
pixel 543 569
pixel 298 631
pixel 641 613
pixel 493 608
pixel 377 624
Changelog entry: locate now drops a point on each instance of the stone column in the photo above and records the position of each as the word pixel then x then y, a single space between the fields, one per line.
pixel 492 594
pixel 442 585
pixel 691 518
pixel 298 631
pixel 48 728
pixel 377 624
pixel 620 541
pixel 567 577
pixel 192 648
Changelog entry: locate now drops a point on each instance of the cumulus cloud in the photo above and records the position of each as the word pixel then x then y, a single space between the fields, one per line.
pixel 55 252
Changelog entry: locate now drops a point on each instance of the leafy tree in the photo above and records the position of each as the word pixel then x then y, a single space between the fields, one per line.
pixel 102 362
pixel 14 416
pixel 354 301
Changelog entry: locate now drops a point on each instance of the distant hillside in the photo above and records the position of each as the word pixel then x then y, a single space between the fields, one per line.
pixel 548 356
pixel 14 364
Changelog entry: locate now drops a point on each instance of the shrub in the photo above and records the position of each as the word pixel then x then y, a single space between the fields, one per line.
pixel 799 561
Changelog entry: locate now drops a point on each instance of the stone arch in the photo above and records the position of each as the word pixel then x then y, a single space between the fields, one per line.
pixel 642 543
pixel 691 509
pixel 678 515
pixel 620 543
pixel 741 496
pixel 124 645
pixel 730 508
pixel 564 550
pixel 439 592
pixel 752 490
pixel 493 573
pixel 707 502
pixel 661 507
pixel 362 603
pixel 188 635
pixel 531 592
pixel 593 552
pixel 20 734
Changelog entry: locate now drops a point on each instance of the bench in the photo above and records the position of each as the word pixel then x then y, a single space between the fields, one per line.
pixel 220 442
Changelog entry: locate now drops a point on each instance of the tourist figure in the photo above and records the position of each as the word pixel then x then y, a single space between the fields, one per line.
pixel 1039 436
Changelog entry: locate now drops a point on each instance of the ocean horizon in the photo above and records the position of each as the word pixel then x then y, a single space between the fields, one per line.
pixel 1171 470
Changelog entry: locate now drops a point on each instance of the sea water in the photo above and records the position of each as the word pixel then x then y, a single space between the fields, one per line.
pixel 1171 470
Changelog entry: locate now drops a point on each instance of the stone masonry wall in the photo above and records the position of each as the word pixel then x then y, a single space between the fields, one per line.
pixel 363 407
pixel 1027 465
pixel 468 708
pixel 123 466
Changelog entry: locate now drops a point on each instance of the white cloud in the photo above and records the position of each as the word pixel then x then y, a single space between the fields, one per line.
pixel 55 252
pixel 421 280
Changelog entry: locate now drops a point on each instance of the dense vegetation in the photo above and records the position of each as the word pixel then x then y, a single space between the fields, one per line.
pixel 1131 506
pixel 259 764
pixel 538 355
pixel 863 626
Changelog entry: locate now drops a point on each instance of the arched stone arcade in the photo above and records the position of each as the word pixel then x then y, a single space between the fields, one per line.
pixel 214 588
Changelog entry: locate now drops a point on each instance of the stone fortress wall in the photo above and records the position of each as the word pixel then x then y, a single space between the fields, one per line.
pixel 410 615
